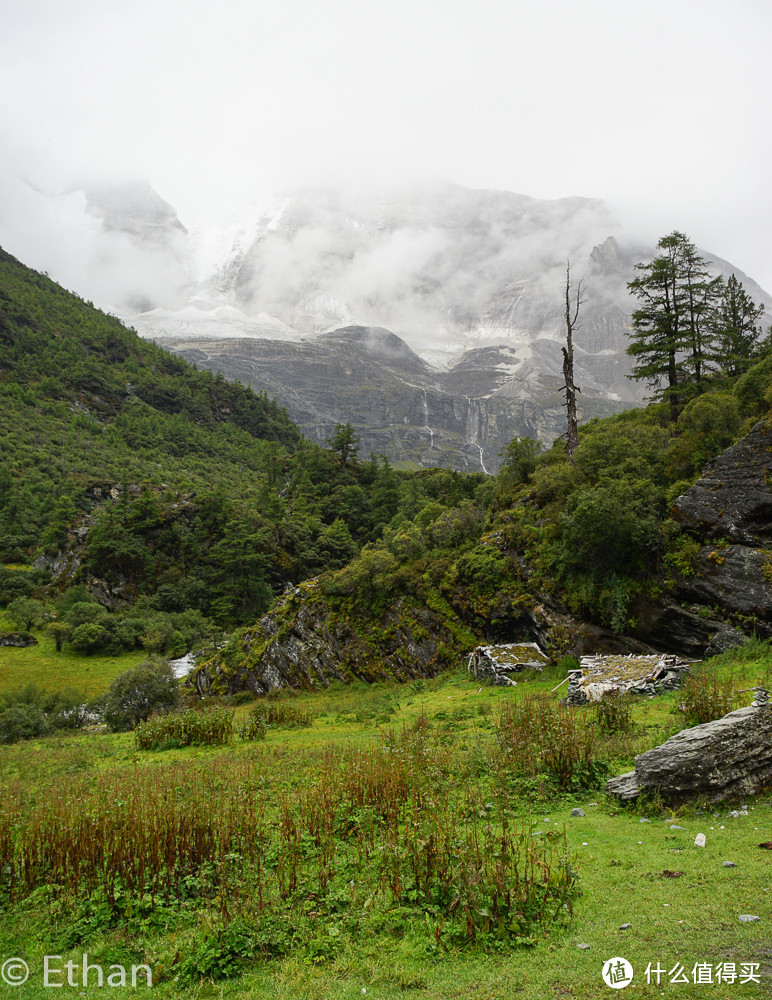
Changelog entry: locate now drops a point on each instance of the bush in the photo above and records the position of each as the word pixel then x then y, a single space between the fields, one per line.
pixel 705 697
pixel 613 527
pixel 27 613
pixel 213 727
pixel 282 715
pixel 32 711
pixel 538 737
pixel 614 714
pixel 136 694
pixel 252 728
pixel 22 722
pixel 243 698
pixel 89 637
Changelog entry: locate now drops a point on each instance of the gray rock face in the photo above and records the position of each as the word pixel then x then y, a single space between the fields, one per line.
pixel 405 408
pixel 723 759
pixel 302 643
pixel 733 497
pixel 19 640
pixel 472 279
pixel 694 631
pixel 729 592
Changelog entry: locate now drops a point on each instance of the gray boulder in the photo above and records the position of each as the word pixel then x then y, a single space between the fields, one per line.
pixel 723 759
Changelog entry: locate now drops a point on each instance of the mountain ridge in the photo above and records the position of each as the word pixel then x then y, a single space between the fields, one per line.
pixel 463 278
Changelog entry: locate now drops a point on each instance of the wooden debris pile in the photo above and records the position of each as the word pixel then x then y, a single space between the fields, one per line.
pixel 496 663
pixel 602 674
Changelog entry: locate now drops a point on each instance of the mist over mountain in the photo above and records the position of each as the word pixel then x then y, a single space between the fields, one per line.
pixel 431 318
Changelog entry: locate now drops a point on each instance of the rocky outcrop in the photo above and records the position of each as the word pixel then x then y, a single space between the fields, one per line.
pixel 726 592
pixel 406 409
pixel 308 642
pixel 727 758
pixel 732 500
pixel 694 631
pixel 19 640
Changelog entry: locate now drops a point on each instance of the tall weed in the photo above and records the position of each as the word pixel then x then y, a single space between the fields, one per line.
pixel 213 727
pixel 540 737
pixel 706 696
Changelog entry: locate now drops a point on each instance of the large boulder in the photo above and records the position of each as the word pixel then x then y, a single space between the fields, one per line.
pixel 727 758
pixel 20 640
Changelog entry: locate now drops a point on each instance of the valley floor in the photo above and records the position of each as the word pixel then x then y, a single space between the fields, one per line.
pixel 633 867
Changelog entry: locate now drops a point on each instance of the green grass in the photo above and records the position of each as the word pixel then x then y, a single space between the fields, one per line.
pixel 620 861
pixel 42 665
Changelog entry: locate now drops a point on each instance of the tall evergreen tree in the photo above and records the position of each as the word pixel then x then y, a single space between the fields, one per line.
pixel 345 442
pixel 737 320
pixel 673 340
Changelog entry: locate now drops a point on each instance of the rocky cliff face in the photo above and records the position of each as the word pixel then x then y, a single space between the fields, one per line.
pixel 728 590
pixel 472 281
pixel 308 642
pixel 401 405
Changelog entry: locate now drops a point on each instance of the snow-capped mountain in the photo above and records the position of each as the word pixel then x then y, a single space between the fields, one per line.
pixel 302 295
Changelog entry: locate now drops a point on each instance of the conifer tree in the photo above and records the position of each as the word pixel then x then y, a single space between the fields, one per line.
pixel 345 442
pixel 674 342
pixel 738 327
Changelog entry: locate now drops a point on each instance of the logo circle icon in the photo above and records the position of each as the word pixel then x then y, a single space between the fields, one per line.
pixel 617 973
pixel 14 971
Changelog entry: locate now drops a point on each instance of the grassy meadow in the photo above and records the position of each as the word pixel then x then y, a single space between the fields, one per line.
pixel 381 841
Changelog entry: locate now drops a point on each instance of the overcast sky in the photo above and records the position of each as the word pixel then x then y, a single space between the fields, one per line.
pixel 662 109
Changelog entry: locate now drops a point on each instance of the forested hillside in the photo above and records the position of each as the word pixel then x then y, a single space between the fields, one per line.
pixel 146 503
pixel 581 555
pixel 159 489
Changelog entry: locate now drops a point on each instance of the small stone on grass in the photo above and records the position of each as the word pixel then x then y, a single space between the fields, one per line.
pixel 748 918
pixel 577 812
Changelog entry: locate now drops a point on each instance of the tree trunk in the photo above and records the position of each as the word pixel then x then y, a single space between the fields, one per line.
pixel 569 388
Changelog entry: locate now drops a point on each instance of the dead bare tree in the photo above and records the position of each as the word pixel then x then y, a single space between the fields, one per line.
pixel 569 388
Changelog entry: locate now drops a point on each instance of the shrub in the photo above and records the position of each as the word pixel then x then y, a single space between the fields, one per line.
pixel 136 694
pixel 282 715
pixel 243 697
pixel 26 613
pixel 22 722
pixel 705 697
pixel 252 728
pixel 613 714
pixel 539 737
pixel 212 727
pixel 31 711
pixel 613 527
pixel 89 637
